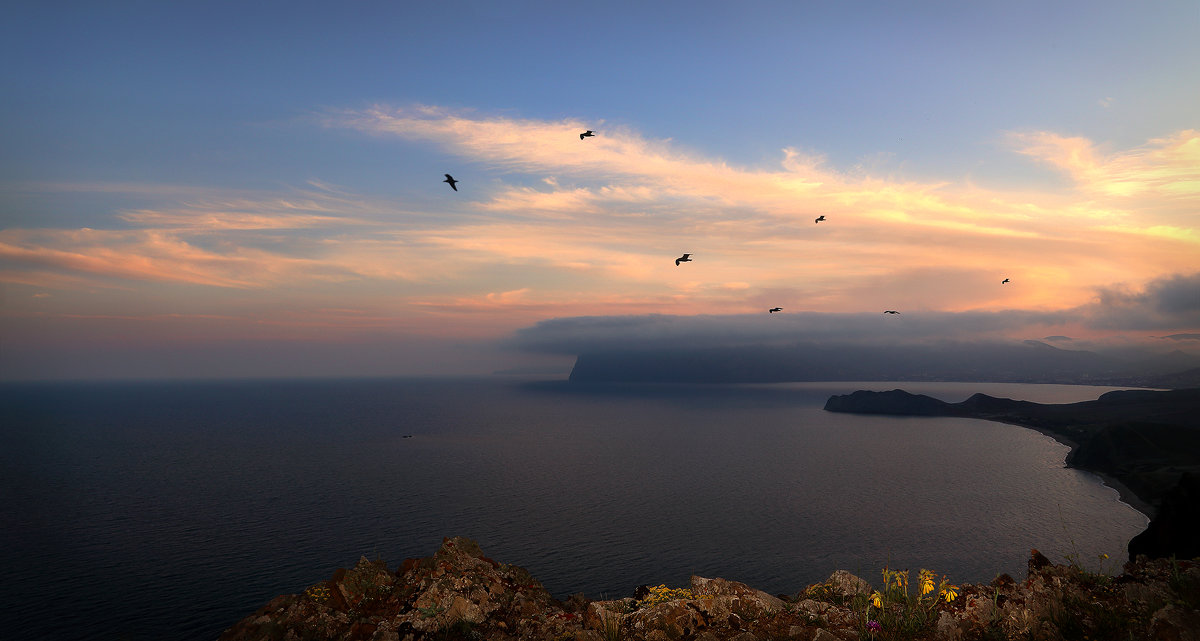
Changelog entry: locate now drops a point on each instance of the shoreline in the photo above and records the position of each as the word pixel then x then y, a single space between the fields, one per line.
pixel 1128 439
pixel 1125 495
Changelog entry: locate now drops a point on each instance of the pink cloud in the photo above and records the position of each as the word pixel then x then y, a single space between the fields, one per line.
pixel 146 256
pixel 592 227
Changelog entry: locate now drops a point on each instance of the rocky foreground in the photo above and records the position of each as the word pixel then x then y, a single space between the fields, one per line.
pixel 458 593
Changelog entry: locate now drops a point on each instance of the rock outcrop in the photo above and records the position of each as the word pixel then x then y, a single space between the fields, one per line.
pixel 458 593
pixel 895 403
pixel 1177 525
pixel 1147 441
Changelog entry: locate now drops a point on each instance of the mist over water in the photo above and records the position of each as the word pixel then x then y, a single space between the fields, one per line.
pixel 172 510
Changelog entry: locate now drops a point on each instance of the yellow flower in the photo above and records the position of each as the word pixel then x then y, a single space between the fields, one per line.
pixel 926 582
pixel 661 594
pixel 877 599
pixel 318 593
pixel 950 592
pixel 1104 556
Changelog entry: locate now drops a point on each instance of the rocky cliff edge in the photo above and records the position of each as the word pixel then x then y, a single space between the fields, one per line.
pixel 458 593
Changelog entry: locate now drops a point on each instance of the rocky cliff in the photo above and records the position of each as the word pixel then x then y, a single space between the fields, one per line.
pixel 458 593
pixel 1146 442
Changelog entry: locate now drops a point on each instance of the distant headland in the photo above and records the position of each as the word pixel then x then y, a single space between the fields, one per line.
pixel 1146 444
pixel 1024 362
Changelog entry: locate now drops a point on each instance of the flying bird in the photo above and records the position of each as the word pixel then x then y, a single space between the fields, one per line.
pixel 891 311
pixel 1004 281
pixel 819 218
pixel 586 134
pixel 450 179
pixel 686 258
pixel 774 309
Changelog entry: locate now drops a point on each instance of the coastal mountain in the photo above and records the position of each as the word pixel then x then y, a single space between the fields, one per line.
pixel 1148 442
pixel 1177 380
pixel 1027 362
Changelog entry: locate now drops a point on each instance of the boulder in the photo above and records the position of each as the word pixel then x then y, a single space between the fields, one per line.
pixel 739 597
pixel 846 584
pixel 1172 623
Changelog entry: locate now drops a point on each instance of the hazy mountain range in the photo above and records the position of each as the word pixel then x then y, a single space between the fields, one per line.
pixel 1025 362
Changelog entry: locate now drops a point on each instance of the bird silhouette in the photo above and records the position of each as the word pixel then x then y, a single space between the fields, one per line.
pixel 819 218
pixel 891 311
pixel 450 179
pixel 774 309
pixel 686 258
pixel 1004 281
pixel 586 134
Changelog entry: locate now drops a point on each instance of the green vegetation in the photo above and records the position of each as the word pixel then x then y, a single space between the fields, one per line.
pixel 894 613
pixel 662 594
pixel 610 627
pixel 430 611
pixel 318 593
pixel 825 592
pixel 460 630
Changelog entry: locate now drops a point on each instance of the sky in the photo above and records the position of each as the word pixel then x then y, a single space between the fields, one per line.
pixel 255 189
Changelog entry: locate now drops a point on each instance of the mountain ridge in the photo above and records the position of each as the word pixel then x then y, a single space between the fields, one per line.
pixel 946 361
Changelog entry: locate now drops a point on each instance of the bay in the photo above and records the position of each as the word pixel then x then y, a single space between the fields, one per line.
pixel 171 510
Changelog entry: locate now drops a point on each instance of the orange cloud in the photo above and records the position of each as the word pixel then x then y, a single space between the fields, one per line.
pixel 1164 167
pixel 620 172
pixel 540 146
pixel 146 256
pixel 593 227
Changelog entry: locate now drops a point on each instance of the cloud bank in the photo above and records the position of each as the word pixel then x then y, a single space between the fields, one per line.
pixel 1165 304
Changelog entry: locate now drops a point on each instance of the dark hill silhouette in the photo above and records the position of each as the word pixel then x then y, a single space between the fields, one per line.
pixel 1031 362
pixel 1177 514
pixel 896 402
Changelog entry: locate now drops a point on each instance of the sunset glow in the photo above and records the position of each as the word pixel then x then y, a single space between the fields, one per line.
pixel 345 236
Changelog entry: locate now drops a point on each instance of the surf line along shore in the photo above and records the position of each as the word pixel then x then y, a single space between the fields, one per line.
pixel 1142 443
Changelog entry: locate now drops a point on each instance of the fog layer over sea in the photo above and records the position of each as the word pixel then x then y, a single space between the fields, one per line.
pixel 171 510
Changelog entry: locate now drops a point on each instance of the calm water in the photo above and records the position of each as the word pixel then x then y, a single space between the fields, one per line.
pixel 151 511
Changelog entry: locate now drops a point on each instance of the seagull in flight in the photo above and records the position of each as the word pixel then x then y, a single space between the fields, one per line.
pixel 891 311
pixel 1004 281
pixel 450 179
pixel 774 309
pixel 819 218
pixel 686 258
pixel 586 134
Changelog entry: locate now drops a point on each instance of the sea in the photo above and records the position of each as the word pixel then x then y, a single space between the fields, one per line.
pixel 171 510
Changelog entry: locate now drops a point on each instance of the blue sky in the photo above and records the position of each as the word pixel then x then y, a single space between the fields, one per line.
pixel 104 89
pixel 187 108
